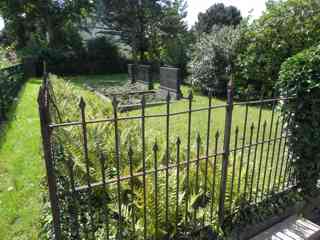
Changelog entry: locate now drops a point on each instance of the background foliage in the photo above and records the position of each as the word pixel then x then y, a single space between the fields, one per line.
pixel 286 28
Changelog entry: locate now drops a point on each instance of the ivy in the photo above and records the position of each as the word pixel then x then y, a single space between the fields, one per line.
pixel 300 78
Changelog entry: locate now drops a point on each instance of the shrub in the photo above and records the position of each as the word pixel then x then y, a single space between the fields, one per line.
pixel 300 78
pixel 212 55
pixel 11 81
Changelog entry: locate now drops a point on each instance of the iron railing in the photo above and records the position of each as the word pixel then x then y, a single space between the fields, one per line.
pixel 147 193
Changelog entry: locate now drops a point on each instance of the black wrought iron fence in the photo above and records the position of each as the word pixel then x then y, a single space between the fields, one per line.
pixel 141 188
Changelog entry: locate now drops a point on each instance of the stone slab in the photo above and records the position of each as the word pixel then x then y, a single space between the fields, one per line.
pixel 293 228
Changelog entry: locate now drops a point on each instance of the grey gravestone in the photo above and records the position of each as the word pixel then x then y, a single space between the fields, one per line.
pixel 170 80
pixel 142 74
pixel 131 73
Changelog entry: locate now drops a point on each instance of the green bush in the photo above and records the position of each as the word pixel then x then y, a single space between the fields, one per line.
pixel 285 29
pixel 213 54
pixel 300 78
pixel 11 81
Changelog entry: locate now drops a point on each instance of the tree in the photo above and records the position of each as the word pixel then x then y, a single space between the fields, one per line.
pixel 286 28
pixel 134 20
pixel 46 18
pixel 214 57
pixel 175 37
pixel 217 15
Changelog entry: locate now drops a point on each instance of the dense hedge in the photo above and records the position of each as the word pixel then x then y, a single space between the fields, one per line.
pixel 300 78
pixel 11 80
pixel 98 56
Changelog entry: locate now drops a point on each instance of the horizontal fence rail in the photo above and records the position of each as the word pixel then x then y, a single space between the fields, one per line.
pixel 129 185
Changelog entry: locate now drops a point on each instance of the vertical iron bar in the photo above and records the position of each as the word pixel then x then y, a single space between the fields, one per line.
pixel 197 169
pixel 75 225
pixel 261 158
pixel 178 181
pixel 234 164
pixel 198 162
pixel 133 223
pixel 256 151
pixel 207 148
pixel 288 162
pixel 103 160
pixel 208 142
pixel 214 174
pixel 155 153
pixel 248 161
pixel 143 138
pixel 268 148
pixel 291 170
pixel 226 153
pixel 243 146
pixel 190 97
pixel 286 170
pixel 167 159
pixel 278 154
pixel 82 106
pixel 46 133
pixel 272 156
pixel 117 155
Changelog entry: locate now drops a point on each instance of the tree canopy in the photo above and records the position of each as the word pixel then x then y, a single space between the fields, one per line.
pixel 217 14
pixel 24 18
pixel 286 28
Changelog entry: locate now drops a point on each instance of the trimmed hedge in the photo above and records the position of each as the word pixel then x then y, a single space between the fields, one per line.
pixel 300 78
pixel 11 80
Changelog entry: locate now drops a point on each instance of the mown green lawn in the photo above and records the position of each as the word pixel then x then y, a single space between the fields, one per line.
pixel 21 169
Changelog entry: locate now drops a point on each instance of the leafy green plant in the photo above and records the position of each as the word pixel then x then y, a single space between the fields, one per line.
pixel 300 79
pixel 285 29
pixel 11 80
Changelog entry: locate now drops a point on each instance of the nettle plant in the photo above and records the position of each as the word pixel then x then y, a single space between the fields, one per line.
pixel 300 78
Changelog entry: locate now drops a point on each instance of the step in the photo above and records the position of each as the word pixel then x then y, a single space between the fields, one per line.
pixel 293 228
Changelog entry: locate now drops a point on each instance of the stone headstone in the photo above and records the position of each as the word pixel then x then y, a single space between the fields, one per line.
pixel 131 73
pixel 144 75
pixel 170 80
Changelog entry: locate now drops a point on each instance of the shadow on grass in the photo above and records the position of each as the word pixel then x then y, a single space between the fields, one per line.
pixel 6 125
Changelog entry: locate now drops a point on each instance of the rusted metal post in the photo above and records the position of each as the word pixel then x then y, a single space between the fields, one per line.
pixel 226 152
pixel 45 119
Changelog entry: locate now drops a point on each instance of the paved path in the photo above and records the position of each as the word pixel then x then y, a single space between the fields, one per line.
pixel 293 228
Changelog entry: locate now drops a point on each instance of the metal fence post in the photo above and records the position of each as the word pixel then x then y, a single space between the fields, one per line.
pixel 226 152
pixel 44 112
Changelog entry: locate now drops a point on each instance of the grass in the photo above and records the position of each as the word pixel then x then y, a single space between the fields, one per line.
pixel 21 169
